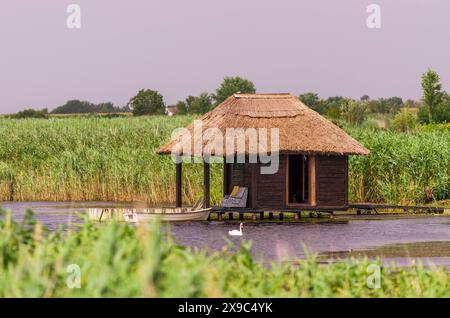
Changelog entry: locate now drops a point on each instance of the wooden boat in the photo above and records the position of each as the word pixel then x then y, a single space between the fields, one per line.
pixel 167 214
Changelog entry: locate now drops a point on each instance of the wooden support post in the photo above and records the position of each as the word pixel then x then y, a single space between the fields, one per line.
pixel 312 181
pixel 178 189
pixel 206 190
pixel 281 215
pixel 297 215
pixel 226 178
pixel 241 216
pixel 219 216
pixel 252 201
pixel 270 215
pixel 261 215
pixel 254 216
pixel 230 215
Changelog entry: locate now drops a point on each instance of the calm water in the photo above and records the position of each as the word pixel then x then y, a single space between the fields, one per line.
pixel 395 239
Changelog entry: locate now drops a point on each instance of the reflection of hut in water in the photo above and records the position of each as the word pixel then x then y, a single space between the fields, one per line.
pixel 313 154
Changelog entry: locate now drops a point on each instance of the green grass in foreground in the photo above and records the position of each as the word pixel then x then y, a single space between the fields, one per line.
pixel 119 260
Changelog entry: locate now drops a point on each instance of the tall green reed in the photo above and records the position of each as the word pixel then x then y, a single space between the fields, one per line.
pixel 89 158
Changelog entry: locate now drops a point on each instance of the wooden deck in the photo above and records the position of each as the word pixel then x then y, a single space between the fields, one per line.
pixel 375 207
pixel 270 214
pixel 361 208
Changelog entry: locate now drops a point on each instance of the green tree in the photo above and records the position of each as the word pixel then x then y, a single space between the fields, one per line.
pixel 181 108
pixel 442 111
pixel 107 107
pixel 375 106
pixel 423 115
pixel 365 98
pixel 432 93
pixel 334 112
pixel 385 105
pixel 335 102
pixel 311 100
pixel 147 102
pixel 201 104
pixel 232 85
pixel 411 103
pixel 355 112
pixel 75 106
pixel 189 100
pixel 394 104
pixel 31 113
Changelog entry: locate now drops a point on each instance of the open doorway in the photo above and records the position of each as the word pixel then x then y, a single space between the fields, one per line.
pixel 298 179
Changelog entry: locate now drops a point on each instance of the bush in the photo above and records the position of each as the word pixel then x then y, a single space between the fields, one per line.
pixel 442 112
pixel 334 112
pixel 181 108
pixel 404 121
pixel 31 113
pixel 84 107
pixel 355 112
pixel 436 127
pixel 201 104
pixel 147 102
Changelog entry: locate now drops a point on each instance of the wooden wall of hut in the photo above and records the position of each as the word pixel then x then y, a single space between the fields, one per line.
pixel 265 190
pixel 271 187
pixel 268 191
pixel 332 181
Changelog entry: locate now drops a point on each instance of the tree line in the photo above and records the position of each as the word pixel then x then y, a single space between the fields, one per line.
pixel 434 106
pixel 72 107
pixel 149 102
pixel 82 107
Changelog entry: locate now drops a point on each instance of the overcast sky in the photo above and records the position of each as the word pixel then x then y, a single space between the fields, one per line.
pixel 181 48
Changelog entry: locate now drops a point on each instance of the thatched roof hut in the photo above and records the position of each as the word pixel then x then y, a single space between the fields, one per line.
pixel 301 130
pixel 313 153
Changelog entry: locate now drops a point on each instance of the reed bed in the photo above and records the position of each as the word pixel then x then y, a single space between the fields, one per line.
pixel 402 167
pixel 93 159
pixel 120 260
pixel 113 159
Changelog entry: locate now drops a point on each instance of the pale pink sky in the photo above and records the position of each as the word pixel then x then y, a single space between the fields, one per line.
pixel 184 47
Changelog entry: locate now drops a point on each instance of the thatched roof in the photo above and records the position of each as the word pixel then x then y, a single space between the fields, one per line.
pixel 301 130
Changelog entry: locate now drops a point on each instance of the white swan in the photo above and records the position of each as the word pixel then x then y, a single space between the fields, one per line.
pixel 236 232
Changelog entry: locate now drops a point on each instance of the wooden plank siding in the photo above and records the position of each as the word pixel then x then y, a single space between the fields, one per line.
pixel 265 190
pixel 271 187
pixel 332 179
pixel 268 191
